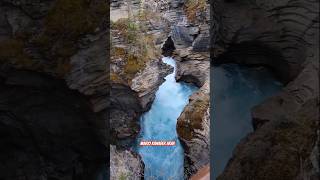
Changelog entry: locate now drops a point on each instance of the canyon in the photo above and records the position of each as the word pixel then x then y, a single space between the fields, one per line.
pixel 172 35
pixel 64 105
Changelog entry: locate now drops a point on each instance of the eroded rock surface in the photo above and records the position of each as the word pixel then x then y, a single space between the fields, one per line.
pixel 193 127
pixel 125 165
pixel 192 67
pixel 282 35
pixel 146 83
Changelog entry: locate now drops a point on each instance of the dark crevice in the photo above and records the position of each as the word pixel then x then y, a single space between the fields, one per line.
pixel 254 54
pixel 190 79
pixel 168 47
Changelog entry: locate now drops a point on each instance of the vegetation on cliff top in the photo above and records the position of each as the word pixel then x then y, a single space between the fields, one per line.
pixel 137 47
pixel 194 7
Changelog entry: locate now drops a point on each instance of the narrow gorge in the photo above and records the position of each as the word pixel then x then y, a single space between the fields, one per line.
pixel 159 124
pixel 76 85
pixel 141 32
pixel 276 39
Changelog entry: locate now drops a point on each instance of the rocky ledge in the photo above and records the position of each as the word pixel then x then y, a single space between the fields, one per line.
pixel 147 82
pixel 192 67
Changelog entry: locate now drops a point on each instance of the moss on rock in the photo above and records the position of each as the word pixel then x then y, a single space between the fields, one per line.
pixel 191 118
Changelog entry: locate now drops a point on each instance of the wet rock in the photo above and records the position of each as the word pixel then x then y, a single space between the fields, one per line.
pixel 192 67
pixel 193 128
pixel 146 83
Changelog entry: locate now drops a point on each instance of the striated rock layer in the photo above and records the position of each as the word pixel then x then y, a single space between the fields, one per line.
pixel 282 35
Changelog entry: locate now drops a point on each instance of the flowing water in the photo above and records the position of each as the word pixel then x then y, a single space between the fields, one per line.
pixel 159 124
pixel 236 89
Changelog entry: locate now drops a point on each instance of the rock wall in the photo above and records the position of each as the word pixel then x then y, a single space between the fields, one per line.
pixel 53 89
pixel 128 165
pixel 48 130
pixel 282 35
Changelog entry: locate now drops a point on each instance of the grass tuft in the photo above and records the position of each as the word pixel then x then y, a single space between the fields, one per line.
pixel 192 7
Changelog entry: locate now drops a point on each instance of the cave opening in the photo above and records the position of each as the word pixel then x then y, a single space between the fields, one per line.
pixel 168 47
pixel 254 54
